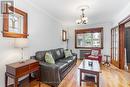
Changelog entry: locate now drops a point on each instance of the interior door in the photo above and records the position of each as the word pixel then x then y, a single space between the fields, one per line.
pixel 127 44
pixel 115 46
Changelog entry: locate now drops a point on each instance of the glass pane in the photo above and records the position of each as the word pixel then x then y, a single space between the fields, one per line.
pixel 115 44
pixel 96 40
pixel 89 40
pixel 79 40
pixel 15 23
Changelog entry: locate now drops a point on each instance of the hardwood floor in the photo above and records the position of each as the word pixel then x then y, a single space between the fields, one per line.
pixel 110 77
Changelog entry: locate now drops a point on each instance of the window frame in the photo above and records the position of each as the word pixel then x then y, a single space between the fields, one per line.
pixel 89 30
pixel 6 32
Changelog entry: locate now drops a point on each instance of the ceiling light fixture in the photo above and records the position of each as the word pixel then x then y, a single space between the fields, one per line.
pixel 83 19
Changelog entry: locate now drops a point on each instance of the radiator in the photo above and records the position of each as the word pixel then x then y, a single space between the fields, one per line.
pixel 82 52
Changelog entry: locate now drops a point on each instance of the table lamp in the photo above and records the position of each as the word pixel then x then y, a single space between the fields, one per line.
pixel 21 43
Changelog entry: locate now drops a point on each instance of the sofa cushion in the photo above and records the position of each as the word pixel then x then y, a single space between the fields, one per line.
pixel 68 60
pixel 58 54
pixel 49 59
pixel 65 60
pixel 67 53
pixel 61 65
pixel 62 55
pixel 40 55
pixel 53 53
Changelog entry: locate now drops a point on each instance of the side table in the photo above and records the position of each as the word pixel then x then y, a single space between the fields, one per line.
pixel 106 62
pixel 17 70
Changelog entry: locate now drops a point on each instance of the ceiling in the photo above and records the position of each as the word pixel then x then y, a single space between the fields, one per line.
pixel 67 10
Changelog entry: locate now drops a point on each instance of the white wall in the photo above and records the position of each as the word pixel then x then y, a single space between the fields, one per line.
pixel 123 14
pixel 44 33
pixel 106 38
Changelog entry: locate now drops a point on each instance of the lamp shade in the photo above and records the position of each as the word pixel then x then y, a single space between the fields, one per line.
pixel 21 43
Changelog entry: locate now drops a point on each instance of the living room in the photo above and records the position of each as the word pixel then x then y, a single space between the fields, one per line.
pixel 44 23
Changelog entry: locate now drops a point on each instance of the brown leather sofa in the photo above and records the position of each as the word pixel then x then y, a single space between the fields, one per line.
pixel 53 74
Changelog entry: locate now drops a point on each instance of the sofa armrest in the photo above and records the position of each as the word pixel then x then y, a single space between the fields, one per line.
pixel 50 73
pixel 100 58
pixel 74 54
pixel 86 55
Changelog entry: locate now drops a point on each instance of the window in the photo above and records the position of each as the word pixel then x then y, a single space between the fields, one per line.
pixel 89 38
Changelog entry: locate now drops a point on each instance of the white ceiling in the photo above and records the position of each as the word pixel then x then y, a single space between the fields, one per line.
pixel 66 10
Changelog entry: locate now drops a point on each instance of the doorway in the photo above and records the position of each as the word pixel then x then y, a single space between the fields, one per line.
pixel 127 46
pixel 124 41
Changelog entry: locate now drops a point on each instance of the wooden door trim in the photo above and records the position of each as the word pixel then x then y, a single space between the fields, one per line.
pixel 125 20
pixel 121 46
pixel 122 41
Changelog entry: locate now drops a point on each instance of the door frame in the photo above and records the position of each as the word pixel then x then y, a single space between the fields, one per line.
pixel 122 41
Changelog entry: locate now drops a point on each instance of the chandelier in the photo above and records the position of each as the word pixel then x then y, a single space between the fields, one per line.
pixel 83 19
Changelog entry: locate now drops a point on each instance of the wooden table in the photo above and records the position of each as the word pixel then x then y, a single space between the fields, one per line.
pixel 17 70
pixel 93 70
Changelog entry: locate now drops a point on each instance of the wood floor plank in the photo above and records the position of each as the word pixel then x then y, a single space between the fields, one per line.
pixel 110 77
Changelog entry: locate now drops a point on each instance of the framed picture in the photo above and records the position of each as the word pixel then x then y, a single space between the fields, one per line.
pixel 15 24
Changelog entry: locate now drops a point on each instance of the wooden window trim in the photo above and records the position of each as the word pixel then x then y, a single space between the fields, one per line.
pixel 6 32
pixel 89 30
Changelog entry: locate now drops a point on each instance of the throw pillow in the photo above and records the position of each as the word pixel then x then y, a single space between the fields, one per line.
pixel 67 53
pixel 94 52
pixel 49 59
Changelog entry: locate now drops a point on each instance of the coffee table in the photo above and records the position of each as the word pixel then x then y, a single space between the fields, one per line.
pixel 84 67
